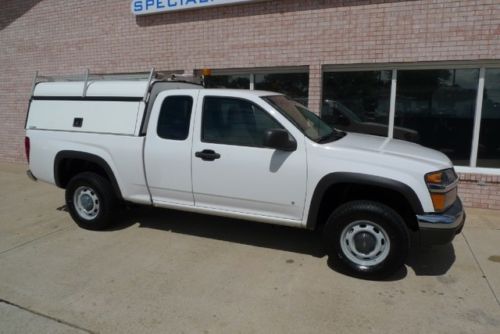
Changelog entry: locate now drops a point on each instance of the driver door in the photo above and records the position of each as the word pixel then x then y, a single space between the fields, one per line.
pixel 233 171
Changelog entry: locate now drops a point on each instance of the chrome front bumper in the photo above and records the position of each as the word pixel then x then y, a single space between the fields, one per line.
pixel 441 228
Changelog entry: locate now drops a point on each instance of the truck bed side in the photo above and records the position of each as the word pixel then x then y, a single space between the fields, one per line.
pixel 106 128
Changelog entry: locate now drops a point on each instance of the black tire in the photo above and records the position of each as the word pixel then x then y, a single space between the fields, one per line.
pixel 381 222
pixel 100 194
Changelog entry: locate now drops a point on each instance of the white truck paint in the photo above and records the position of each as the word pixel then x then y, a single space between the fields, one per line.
pixel 253 182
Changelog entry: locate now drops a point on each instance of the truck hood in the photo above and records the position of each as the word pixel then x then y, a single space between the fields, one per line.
pixel 393 147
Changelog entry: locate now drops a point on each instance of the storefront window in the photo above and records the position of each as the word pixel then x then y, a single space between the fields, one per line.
pixel 358 101
pixel 439 105
pixel 489 139
pixel 294 85
pixel 228 81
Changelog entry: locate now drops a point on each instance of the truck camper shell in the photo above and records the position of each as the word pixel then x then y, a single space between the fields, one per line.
pixel 108 104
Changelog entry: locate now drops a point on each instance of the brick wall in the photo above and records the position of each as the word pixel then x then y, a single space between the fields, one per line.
pixel 61 37
pixel 480 191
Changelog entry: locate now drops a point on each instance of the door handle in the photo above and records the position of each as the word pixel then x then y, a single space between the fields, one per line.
pixel 207 155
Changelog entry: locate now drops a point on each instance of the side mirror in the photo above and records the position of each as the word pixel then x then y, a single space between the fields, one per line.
pixel 280 140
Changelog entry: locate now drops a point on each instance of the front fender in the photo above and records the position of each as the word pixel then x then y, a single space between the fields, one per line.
pixel 362 179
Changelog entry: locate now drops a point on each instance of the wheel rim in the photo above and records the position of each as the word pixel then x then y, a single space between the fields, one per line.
pixel 86 202
pixel 365 243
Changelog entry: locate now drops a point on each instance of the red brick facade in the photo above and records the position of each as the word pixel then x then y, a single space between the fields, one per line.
pixel 480 191
pixel 61 37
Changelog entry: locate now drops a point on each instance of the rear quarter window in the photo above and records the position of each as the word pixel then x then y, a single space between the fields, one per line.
pixel 175 117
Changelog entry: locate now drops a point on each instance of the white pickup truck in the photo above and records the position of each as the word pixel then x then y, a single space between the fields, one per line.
pixel 251 155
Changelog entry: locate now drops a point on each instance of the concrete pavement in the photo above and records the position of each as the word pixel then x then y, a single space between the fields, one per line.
pixel 171 272
pixel 15 319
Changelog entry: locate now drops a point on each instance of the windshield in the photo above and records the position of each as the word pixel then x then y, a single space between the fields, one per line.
pixel 305 120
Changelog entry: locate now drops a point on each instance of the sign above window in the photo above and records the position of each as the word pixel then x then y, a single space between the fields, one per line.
pixel 144 7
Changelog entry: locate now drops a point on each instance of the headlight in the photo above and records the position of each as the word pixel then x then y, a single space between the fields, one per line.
pixel 442 186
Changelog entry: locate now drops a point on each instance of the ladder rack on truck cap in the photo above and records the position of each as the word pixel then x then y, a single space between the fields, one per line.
pixel 132 85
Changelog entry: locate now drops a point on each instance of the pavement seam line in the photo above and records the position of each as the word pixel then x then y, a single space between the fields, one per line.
pixel 32 240
pixel 481 268
pixel 47 316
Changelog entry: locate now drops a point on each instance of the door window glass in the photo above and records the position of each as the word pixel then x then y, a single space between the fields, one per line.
pixel 489 139
pixel 235 121
pixel 175 116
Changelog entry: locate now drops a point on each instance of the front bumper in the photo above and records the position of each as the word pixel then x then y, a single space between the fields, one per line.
pixel 441 228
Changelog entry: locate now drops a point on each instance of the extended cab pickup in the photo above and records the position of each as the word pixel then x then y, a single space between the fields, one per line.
pixel 251 155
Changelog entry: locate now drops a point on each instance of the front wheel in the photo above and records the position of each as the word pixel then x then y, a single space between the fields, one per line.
pixel 90 201
pixel 368 238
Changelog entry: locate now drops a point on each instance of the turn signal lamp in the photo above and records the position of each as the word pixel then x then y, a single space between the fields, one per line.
pixel 434 178
pixel 439 201
pixel 442 188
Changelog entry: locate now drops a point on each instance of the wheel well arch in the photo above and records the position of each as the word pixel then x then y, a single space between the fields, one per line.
pixel 336 189
pixel 67 164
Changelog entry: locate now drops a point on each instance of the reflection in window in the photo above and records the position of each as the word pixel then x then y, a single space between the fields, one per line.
pixel 439 105
pixel 489 138
pixel 305 120
pixel 294 85
pixel 359 102
pixel 228 81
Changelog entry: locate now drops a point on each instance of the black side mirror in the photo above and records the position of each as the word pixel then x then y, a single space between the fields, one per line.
pixel 280 140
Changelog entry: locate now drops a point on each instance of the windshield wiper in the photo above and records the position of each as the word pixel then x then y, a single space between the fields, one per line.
pixel 332 136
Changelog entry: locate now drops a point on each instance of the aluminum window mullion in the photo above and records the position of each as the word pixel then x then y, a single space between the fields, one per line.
pixel 477 118
pixel 392 105
pixel 252 81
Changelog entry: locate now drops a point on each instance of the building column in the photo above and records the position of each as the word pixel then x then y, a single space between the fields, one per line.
pixel 315 86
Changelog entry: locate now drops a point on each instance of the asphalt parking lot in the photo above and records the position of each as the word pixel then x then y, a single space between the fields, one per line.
pixel 163 271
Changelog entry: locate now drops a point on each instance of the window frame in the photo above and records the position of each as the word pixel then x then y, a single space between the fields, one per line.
pixel 202 139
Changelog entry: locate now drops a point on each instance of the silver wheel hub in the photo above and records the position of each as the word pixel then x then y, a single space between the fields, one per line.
pixel 86 202
pixel 365 243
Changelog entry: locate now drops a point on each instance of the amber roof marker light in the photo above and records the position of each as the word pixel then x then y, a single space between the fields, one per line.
pixel 206 72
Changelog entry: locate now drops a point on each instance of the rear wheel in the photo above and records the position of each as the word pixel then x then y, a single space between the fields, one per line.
pixel 368 238
pixel 91 201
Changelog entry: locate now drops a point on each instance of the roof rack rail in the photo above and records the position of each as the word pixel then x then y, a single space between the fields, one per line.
pixel 151 76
